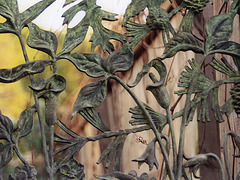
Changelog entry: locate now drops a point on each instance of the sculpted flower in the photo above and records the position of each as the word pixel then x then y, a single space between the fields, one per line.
pixel 148 156
pixel 194 163
pixel 195 5
pixel 72 170
pixel 27 172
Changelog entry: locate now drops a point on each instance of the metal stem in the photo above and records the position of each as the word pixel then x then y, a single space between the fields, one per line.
pixel 152 125
pixel 42 129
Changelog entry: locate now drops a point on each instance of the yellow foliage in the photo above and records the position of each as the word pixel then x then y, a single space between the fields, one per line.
pixel 16 97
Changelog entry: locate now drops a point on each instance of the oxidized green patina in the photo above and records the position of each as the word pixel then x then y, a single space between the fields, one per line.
pixel 63 161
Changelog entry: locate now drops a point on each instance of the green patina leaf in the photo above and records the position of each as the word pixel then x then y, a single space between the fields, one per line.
pixel 9 9
pixel 236 61
pixel 191 112
pixel 87 63
pixel 71 152
pixel 25 122
pixel 226 47
pixel 15 20
pixel 235 7
pixel 6 154
pixel 42 40
pixel 202 82
pixel 228 107
pixel 6 127
pixel 134 9
pixel 139 118
pixel 119 61
pixel 91 95
pixel 224 67
pixel 219 28
pixel 203 114
pixel 187 22
pixel 75 36
pixel 112 148
pixel 137 32
pixel 215 106
pixel 69 2
pixel 195 5
pixel 94 118
pixel 182 41
pixel 158 18
pixel 32 12
pixel 19 72
pixel 118 154
pixel 6 27
pixel 94 16
pixel 71 12
pixel 102 35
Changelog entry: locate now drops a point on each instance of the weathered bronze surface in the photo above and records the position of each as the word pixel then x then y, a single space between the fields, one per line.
pixel 63 161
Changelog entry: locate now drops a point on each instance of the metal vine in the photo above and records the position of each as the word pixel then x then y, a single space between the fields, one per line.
pixel 63 160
